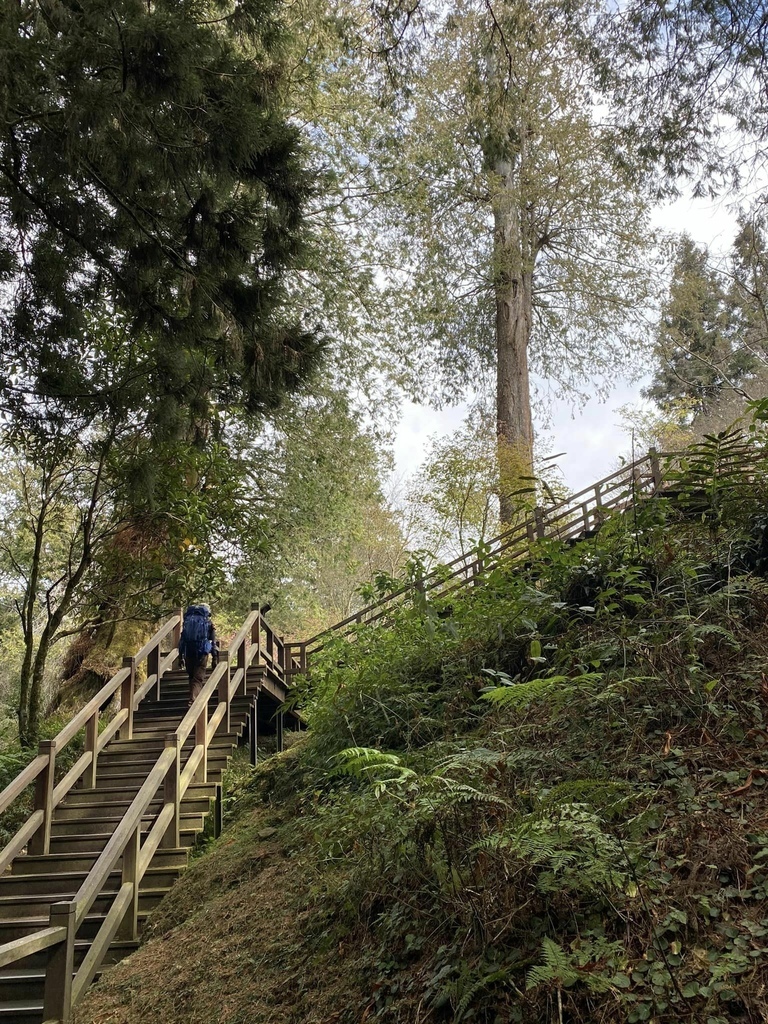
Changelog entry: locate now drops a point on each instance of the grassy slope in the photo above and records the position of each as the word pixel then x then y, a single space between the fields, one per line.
pixel 587 842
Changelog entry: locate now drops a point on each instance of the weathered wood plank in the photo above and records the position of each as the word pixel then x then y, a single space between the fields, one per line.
pixel 25 778
pixel 109 928
pixel 17 949
pixel 119 839
pixel 20 840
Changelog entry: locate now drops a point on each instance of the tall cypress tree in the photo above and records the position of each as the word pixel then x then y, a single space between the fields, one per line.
pixel 698 348
pixel 147 166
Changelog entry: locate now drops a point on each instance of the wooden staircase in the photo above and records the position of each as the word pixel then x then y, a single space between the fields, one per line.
pixel 109 842
pixel 81 827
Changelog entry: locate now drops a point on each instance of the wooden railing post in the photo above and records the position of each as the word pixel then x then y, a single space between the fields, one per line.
pixel 256 627
pixel 129 926
pixel 253 729
pixel 223 692
pixel 171 788
pixel 153 667
pixel 280 723
pixel 538 518
pixel 40 843
pixel 241 664
pixel 126 698
pixel 176 635
pixel 655 468
pixel 218 812
pixel 57 1000
pixel 201 740
pixel 92 746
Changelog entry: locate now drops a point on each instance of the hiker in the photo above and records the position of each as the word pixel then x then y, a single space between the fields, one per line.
pixel 198 641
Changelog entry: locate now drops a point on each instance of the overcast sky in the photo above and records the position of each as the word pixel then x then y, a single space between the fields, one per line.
pixel 591 438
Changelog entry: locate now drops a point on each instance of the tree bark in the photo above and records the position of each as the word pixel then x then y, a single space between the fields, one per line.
pixel 513 288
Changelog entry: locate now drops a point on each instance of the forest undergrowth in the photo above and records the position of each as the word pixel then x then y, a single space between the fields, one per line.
pixel 542 801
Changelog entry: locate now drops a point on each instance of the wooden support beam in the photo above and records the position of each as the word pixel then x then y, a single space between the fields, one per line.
pixel 201 742
pixel 176 636
pixel 126 698
pixel 92 747
pixel 153 667
pixel 172 795
pixel 653 455
pixel 253 729
pixel 538 518
pixel 129 926
pixel 40 843
pixel 223 691
pixel 218 812
pixel 57 1001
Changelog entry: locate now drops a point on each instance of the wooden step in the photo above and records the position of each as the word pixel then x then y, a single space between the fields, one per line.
pixel 128 775
pixel 118 950
pixel 149 732
pixel 70 881
pixel 22 1011
pixel 18 927
pixel 19 983
pixel 143 765
pixel 96 841
pixel 106 824
pixel 154 745
pixel 195 790
pixel 107 806
pixel 68 862
pixel 16 907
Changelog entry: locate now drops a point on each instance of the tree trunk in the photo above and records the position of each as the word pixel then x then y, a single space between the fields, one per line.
pixel 513 287
pixel 29 702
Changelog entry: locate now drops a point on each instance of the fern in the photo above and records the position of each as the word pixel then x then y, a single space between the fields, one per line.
pixel 557 967
pixel 365 762
pixel 564 968
pixel 568 848
pixel 523 694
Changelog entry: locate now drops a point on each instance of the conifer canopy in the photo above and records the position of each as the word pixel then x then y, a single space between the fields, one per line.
pixel 149 172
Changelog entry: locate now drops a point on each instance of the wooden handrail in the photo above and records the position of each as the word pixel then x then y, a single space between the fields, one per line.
pixel 14 950
pixel 479 561
pixel 25 778
pixel 40 770
pixel 158 638
pixel 113 851
pixel 78 722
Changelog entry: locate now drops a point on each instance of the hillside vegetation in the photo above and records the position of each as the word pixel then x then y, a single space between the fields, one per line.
pixel 541 801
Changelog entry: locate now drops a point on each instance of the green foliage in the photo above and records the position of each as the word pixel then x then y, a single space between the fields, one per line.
pixel 579 824
pixel 314 524
pixel 697 347
pixel 167 185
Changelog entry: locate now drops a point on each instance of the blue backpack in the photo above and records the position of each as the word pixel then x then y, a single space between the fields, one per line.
pixel 195 634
